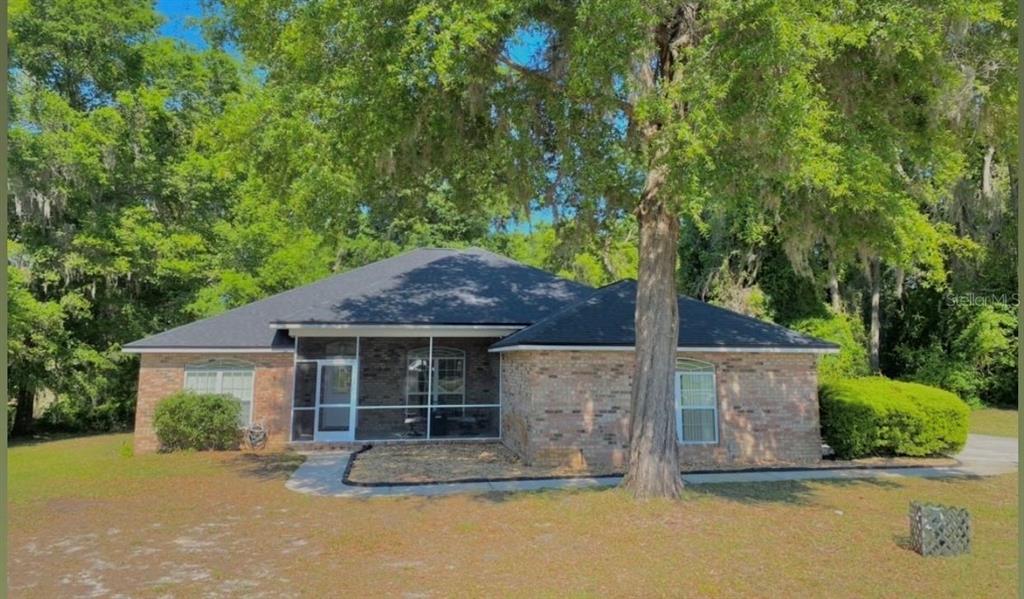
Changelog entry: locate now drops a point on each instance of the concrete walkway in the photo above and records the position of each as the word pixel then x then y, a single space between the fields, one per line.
pixel 322 472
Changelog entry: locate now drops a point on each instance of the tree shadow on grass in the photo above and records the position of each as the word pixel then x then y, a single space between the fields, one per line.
pixel 41 437
pixel 266 466
pixel 795 492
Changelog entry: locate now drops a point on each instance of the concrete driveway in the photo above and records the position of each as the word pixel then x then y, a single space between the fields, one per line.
pixel 322 472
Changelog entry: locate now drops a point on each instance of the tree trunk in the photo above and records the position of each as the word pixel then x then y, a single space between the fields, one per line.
pixel 833 286
pixel 23 412
pixel 653 469
pixel 986 174
pixel 876 325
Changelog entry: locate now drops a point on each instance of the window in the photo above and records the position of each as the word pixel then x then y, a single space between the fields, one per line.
pixel 696 402
pixel 449 388
pixel 227 378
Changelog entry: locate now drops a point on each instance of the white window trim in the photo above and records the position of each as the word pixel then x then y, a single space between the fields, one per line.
pixel 683 366
pixel 220 367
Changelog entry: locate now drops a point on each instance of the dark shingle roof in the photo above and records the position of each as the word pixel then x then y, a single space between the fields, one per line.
pixel 606 318
pixel 427 286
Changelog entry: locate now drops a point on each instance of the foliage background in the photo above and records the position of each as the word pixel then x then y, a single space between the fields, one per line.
pixel 156 181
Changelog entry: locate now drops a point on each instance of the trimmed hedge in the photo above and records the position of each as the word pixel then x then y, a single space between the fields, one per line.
pixel 188 420
pixel 876 416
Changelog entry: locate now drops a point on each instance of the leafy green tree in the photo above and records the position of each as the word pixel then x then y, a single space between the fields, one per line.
pixel 36 339
pixel 601 109
pixel 83 50
pixel 777 155
pixel 112 218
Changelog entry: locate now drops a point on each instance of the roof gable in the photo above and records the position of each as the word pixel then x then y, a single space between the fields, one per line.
pixel 471 287
pixel 606 318
pixel 426 286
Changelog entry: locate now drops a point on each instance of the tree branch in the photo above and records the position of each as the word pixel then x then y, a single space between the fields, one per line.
pixel 555 85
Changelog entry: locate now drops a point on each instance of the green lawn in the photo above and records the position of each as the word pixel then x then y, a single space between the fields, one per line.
pixel 84 518
pixel 992 421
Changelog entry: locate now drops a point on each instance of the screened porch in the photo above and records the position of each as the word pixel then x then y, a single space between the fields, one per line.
pixel 395 389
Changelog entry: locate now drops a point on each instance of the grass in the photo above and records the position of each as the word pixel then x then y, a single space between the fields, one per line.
pixel 993 421
pixel 86 519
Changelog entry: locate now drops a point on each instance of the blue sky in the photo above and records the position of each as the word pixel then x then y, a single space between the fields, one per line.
pixel 522 49
pixel 177 13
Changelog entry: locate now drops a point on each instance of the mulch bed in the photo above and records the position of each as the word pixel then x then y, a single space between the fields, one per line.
pixel 418 463
pixel 426 462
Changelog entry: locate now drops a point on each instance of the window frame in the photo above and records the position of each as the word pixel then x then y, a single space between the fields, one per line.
pixel 689 366
pixel 219 367
pixel 439 353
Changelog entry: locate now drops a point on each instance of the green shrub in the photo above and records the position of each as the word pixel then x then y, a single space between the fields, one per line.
pixel 189 420
pixel 844 330
pixel 878 416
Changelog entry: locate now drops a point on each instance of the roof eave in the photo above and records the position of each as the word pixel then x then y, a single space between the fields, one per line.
pixel 682 349
pixel 203 350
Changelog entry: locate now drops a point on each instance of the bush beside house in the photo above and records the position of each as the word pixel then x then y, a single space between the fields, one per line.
pixel 189 420
pixel 877 416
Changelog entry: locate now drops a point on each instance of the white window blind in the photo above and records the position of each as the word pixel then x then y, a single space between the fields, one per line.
pixel 225 379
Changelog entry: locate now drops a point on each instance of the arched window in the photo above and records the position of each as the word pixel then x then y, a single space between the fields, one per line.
pixel 449 372
pixel 227 377
pixel 696 402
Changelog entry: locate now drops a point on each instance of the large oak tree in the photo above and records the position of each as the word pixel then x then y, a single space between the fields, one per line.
pixel 598 109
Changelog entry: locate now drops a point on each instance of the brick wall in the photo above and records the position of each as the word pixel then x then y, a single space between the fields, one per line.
pixel 561 407
pixel 161 375
pixel 572 408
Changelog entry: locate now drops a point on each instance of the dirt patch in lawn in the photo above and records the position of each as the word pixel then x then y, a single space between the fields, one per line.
pixel 447 462
pixel 266 466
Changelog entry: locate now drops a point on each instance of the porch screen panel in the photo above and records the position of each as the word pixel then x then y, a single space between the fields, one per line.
pixel 464 422
pixel 319 348
pixel 433 391
pixel 377 424
pixel 304 401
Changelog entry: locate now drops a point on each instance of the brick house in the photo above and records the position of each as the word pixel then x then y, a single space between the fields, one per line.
pixel 465 345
